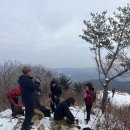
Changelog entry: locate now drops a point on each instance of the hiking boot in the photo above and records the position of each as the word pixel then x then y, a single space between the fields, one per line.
pixel 86 120
pixel 27 128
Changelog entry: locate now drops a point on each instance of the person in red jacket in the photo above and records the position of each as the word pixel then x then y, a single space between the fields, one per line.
pixel 89 99
pixel 12 95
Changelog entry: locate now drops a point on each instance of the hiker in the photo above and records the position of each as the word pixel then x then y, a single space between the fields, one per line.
pixel 62 111
pixel 16 108
pixel 38 105
pixel 89 99
pixel 28 89
pixel 113 92
pixel 56 92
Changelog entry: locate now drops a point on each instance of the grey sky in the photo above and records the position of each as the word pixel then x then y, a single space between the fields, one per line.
pixel 46 31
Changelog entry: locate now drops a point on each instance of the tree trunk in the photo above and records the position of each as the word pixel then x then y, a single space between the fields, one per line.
pixel 105 96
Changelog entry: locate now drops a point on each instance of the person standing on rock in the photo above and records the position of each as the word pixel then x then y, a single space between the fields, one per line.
pixel 55 94
pixel 28 89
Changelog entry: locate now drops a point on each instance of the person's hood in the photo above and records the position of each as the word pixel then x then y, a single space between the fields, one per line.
pixel 70 101
pixel 22 78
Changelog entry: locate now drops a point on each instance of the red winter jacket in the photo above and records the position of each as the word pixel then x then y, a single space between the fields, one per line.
pixel 89 97
pixel 13 94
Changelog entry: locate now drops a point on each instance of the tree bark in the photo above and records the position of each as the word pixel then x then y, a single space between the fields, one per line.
pixel 105 96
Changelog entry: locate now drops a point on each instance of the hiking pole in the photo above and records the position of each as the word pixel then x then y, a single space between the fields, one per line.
pixel 84 113
pixel 77 113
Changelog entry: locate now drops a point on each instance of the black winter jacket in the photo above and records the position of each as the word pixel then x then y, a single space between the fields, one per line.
pixel 56 91
pixel 28 89
pixel 62 110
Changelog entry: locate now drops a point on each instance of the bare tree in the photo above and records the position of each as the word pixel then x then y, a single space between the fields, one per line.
pixel 109 39
pixel 10 72
pixel 8 78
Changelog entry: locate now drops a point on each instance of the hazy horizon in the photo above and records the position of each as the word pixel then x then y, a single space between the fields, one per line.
pixel 47 32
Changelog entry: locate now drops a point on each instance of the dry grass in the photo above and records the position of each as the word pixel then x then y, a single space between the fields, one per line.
pixel 115 118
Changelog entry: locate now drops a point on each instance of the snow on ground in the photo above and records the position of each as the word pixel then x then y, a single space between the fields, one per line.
pixel 7 123
pixel 119 99
pixel 81 115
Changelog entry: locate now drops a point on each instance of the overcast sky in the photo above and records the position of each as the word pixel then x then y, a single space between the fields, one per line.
pixel 46 31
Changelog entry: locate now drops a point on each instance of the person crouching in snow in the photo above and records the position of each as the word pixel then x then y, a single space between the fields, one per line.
pixel 62 110
pixel 12 95
pixel 89 99
pixel 38 106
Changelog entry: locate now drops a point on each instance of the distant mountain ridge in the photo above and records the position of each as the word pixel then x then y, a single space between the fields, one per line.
pixel 91 74
pixel 79 74
pixel 123 86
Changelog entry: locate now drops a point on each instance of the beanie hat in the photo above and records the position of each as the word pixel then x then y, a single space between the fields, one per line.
pixel 26 69
pixel 18 91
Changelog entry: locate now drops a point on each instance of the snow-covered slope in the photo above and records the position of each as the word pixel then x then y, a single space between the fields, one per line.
pixel 119 99
pixel 7 123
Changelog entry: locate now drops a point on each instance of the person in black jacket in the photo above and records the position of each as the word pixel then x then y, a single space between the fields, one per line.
pixel 38 105
pixel 28 89
pixel 56 92
pixel 113 91
pixel 63 110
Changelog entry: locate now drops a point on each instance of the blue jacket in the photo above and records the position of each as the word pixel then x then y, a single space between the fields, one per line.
pixel 56 91
pixel 28 89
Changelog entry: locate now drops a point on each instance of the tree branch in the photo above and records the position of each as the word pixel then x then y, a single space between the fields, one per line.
pixel 119 74
pixel 117 50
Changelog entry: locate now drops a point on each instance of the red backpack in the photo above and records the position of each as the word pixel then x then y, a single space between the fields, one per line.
pixel 89 97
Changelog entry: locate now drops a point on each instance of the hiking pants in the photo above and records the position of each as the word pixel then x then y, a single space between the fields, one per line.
pixel 46 112
pixel 29 111
pixel 14 113
pixel 54 103
pixel 88 109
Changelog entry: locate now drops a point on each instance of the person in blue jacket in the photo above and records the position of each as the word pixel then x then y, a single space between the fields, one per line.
pixel 28 89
